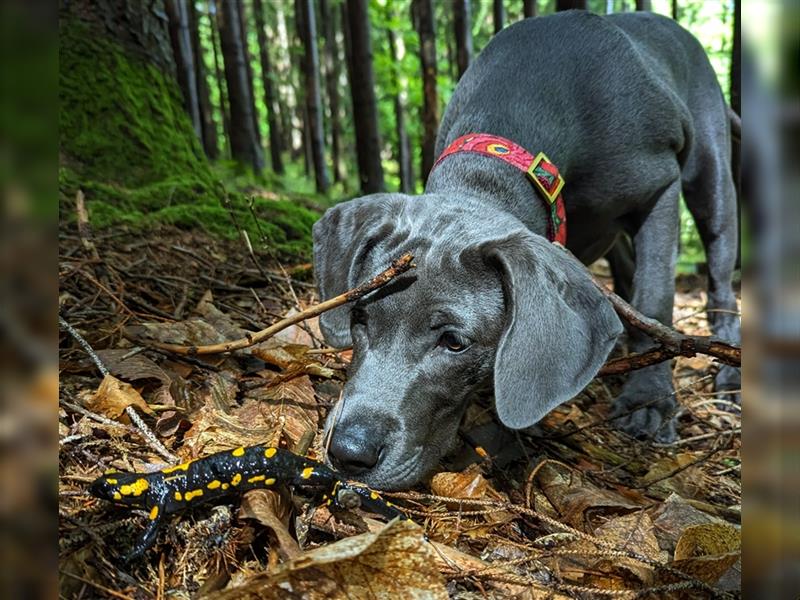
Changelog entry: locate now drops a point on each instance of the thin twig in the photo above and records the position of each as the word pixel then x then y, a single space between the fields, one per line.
pixel 672 342
pixel 142 427
pixel 399 266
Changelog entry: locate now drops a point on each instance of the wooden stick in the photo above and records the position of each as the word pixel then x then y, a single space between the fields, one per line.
pixel 398 267
pixel 672 342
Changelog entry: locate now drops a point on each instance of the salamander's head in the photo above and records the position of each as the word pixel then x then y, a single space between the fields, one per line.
pixel 116 486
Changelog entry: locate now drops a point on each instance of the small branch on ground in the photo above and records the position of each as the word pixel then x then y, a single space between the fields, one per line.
pixel 398 267
pixel 141 426
pixel 672 342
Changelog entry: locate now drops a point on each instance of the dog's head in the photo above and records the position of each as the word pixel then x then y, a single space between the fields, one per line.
pixel 490 306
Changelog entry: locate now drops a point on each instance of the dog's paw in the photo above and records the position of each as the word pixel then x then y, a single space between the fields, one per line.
pixel 656 421
pixel 729 381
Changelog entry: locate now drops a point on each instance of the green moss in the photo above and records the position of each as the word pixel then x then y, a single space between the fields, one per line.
pixel 128 144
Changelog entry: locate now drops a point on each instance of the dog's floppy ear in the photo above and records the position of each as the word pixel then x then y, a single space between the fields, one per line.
pixel 559 328
pixel 343 237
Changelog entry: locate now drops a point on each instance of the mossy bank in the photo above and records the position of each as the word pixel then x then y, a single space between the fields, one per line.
pixel 127 143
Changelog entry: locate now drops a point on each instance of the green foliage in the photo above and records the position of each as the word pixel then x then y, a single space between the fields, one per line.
pixel 127 143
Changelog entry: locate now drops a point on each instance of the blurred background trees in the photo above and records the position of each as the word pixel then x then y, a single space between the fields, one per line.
pixel 342 96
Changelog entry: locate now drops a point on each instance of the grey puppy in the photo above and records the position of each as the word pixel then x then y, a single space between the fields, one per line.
pixel 629 109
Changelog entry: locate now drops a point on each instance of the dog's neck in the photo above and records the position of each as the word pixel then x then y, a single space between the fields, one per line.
pixel 494 183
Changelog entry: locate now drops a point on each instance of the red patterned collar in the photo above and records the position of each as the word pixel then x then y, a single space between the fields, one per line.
pixel 539 170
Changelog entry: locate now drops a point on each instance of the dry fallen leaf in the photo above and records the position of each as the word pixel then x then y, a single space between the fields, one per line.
pixel 686 481
pixel 270 509
pixel 707 551
pixel 113 397
pixel 633 532
pixel 469 484
pixel 395 562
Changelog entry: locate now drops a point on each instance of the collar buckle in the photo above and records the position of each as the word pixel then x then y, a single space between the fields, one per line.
pixel 545 176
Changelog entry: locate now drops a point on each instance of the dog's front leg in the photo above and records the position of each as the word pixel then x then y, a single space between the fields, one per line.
pixel 646 406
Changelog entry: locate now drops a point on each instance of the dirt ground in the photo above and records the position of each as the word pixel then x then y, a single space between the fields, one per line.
pixel 574 509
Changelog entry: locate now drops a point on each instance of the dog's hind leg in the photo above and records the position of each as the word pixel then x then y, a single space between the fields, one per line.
pixel 710 195
pixel 646 406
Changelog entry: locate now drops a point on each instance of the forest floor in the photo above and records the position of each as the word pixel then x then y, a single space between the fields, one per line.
pixel 577 510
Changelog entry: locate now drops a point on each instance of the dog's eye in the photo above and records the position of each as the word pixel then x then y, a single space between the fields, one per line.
pixel 452 342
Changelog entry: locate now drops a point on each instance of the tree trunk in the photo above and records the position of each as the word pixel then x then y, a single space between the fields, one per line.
pixel 498 14
pixel 736 91
pixel 208 126
pixel 675 13
pixel 316 132
pixel 529 8
pixel 644 5
pixel 332 86
pixel 178 14
pixel 569 4
pixel 270 99
pixel 423 17
pixel 248 61
pixel 736 59
pixel 216 47
pixel 132 135
pixel 462 23
pixel 286 88
pixel 403 144
pixel 365 108
pixel 244 141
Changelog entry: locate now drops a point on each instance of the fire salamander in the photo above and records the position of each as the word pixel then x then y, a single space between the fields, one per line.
pixel 173 489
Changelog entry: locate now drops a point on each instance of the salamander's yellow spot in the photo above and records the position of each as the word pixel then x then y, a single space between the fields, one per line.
pixel 237 479
pixel 270 452
pixel 324 496
pixel 256 478
pixel 374 495
pixel 111 471
pixel 328 502
pixel 112 481
pixel 225 486
pixel 178 496
pixel 117 496
pixel 307 472
pixel 180 467
pixel 389 504
pixel 154 513
pixel 135 489
pixel 269 481
pixel 193 494
pixel 212 485
pixel 238 452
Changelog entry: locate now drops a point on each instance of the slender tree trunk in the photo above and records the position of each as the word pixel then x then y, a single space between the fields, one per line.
pixel 675 10
pixel 736 89
pixel 423 17
pixel 216 47
pixel 365 106
pixel 178 13
pixel 569 4
pixel 208 126
pixel 248 61
pixel 404 146
pixel 644 5
pixel 498 14
pixel 316 131
pixel 302 105
pixel 291 136
pixel 245 147
pixel 270 100
pixel 462 23
pixel 529 8
pixel 332 86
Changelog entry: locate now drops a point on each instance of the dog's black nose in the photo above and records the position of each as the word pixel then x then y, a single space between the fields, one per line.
pixel 354 451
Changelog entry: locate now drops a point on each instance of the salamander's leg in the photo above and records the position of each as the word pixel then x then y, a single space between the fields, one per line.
pixel 155 519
